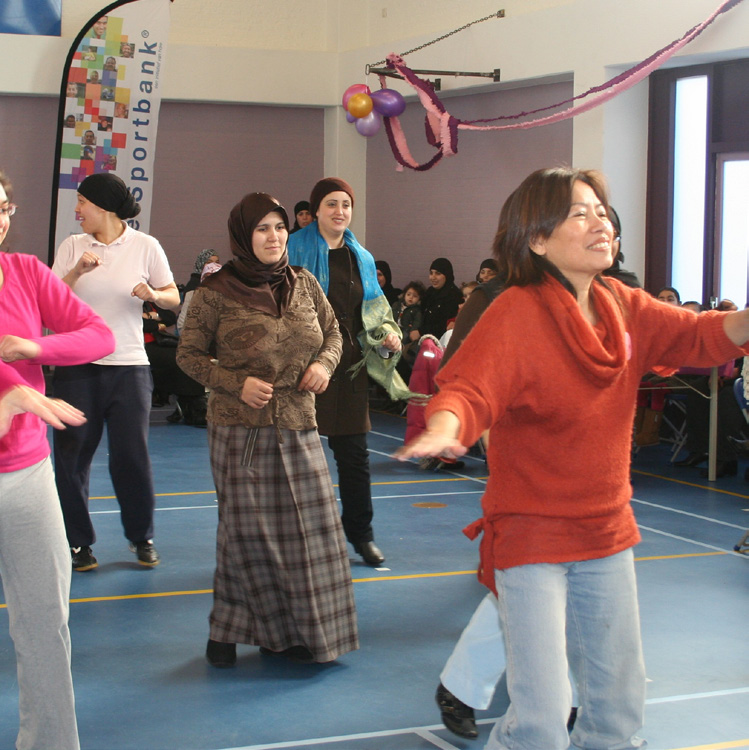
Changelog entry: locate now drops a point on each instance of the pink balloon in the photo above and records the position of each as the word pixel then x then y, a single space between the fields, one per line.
pixel 357 88
pixel 388 103
pixel 369 125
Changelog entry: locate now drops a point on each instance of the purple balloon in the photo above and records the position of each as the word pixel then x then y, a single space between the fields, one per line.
pixel 369 125
pixel 388 103
pixel 350 117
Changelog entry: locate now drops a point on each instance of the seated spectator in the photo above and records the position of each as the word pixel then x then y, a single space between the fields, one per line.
pixel 727 305
pixel 441 300
pixel 669 295
pixel 465 289
pixel 302 216
pixel 385 280
pixel 487 270
pixel 204 256
pixel 693 305
pixel 168 378
pixel 731 420
pixel 407 311
pixel 651 397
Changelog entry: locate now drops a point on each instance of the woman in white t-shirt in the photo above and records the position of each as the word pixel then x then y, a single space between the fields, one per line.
pixel 113 268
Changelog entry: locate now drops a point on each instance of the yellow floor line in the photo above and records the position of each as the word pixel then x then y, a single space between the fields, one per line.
pixel 374 484
pixel 461 479
pixel 690 484
pixel 675 557
pixel 411 576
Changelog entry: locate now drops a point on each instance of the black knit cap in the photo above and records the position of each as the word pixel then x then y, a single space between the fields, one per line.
pixel 443 266
pixel 108 191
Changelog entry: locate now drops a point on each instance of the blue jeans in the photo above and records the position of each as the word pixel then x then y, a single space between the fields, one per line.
pixel 581 617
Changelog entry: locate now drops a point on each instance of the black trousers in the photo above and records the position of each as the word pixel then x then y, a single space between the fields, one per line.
pixel 119 397
pixel 730 419
pixel 352 460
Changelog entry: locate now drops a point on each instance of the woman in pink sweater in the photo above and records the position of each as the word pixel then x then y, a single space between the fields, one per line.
pixel 558 527
pixel 34 556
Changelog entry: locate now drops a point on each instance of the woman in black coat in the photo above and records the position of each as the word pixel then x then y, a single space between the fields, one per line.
pixel 441 300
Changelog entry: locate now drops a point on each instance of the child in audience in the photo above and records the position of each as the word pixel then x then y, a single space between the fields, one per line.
pixel 407 310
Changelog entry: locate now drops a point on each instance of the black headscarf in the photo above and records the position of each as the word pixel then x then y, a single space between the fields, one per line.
pixel 390 292
pixel 261 286
pixel 300 206
pixel 108 191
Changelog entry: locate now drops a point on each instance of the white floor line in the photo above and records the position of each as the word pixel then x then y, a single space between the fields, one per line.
pixel 435 740
pixel 691 541
pixel 183 507
pixel 687 513
pixel 430 494
pixel 343 738
pixel 426 732
pixel 697 696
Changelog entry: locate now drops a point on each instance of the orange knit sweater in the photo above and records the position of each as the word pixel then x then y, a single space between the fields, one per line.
pixel 558 395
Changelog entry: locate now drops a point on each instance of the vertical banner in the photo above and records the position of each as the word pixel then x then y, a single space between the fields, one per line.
pixel 109 108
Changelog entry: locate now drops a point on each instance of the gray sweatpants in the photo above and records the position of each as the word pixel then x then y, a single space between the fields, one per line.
pixel 35 568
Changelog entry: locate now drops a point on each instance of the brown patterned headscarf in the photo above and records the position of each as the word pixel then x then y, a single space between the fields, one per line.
pixel 261 286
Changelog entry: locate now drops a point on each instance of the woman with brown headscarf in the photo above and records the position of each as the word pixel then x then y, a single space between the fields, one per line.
pixel 282 578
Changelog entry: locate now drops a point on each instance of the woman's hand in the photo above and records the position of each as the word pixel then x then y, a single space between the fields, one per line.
pixel 392 342
pixel 22 398
pixel 86 263
pixel 13 348
pixel 315 379
pixel 256 393
pixel 143 291
pixel 439 439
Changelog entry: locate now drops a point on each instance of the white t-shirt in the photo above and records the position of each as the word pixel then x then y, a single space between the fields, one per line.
pixel 134 257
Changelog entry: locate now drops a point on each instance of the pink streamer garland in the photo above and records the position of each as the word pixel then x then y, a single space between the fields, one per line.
pixel 442 128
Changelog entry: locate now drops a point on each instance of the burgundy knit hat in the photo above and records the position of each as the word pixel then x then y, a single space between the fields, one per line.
pixel 324 187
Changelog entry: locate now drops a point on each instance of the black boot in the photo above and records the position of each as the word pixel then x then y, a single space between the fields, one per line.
pixel 723 469
pixel 740 446
pixel 693 459
pixel 456 715
pixel 221 655
pixel 193 409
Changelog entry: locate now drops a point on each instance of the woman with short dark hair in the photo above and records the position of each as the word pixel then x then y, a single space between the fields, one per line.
pixel 558 527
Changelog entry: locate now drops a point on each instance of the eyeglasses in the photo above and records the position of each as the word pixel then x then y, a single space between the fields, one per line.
pixel 8 210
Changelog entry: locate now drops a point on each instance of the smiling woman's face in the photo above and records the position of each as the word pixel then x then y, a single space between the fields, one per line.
pixel 269 238
pixel 334 214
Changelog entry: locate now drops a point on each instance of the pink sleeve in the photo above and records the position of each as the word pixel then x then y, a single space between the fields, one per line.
pixel 9 377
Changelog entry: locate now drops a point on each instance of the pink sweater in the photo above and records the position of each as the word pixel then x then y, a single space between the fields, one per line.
pixel 559 397
pixel 32 298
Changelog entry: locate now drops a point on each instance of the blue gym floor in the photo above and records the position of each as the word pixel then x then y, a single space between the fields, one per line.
pixel 139 634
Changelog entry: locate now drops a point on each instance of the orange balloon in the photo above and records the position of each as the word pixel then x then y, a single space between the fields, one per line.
pixel 360 105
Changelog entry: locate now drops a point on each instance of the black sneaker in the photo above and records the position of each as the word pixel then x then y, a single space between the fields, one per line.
pixel 83 559
pixel 146 552
pixel 456 715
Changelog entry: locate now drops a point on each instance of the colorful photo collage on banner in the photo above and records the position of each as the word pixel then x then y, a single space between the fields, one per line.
pixel 97 103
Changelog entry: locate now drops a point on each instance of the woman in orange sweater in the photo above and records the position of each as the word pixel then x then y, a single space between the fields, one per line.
pixel 558 527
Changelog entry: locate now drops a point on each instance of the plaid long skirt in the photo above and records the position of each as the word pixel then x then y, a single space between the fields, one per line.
pixel 282 571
